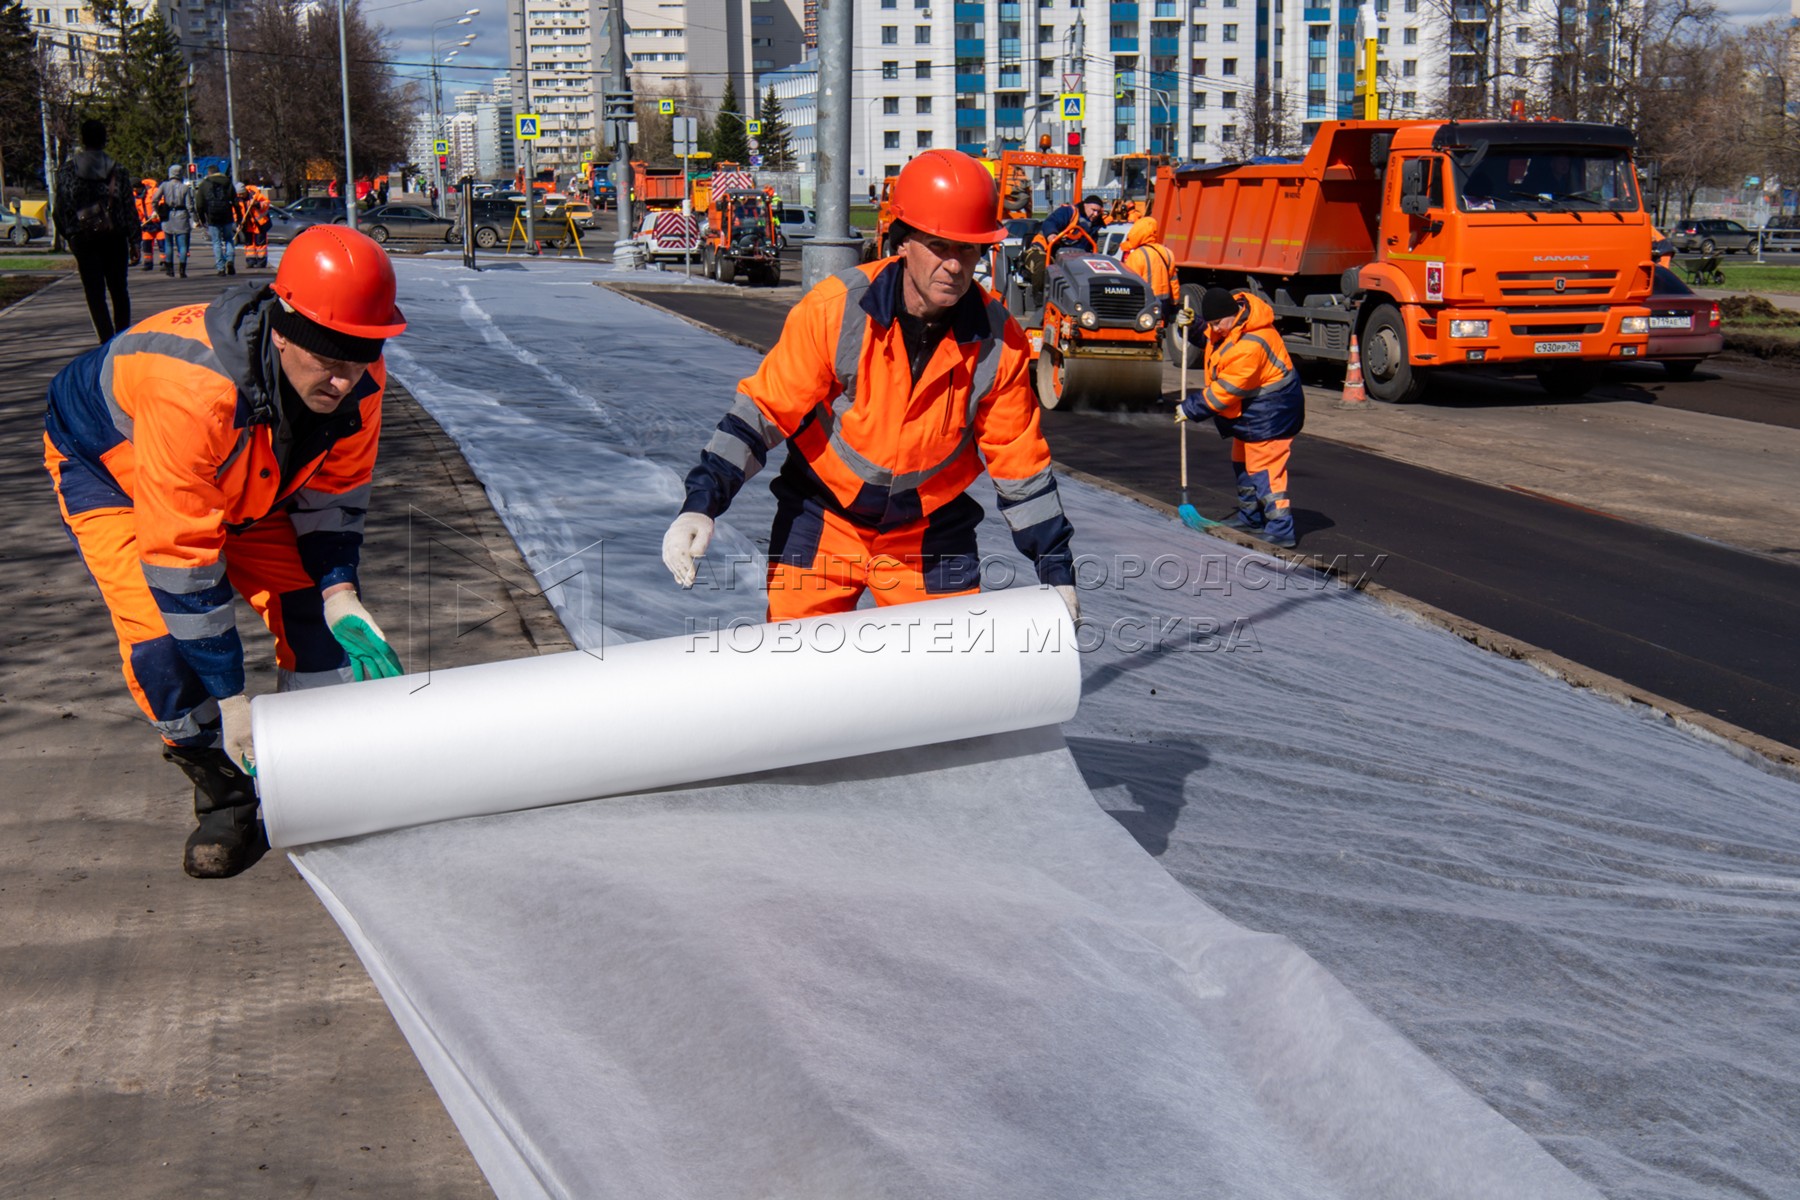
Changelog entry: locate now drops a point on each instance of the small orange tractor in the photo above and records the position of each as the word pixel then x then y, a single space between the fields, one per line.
pixel 740 235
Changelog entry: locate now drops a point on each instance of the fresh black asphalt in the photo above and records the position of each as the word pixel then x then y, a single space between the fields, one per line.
pixel 1697 622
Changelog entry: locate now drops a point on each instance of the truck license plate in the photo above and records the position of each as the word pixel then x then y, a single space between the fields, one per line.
pixel 1557 348
pixel 1684 322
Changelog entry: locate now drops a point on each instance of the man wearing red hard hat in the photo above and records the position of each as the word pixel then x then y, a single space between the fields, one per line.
pixel 893 384
pixel 221 448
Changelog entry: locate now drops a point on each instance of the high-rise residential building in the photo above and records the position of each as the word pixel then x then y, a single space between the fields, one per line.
pixel 988 76
pixel 1313 54
pixel 675 48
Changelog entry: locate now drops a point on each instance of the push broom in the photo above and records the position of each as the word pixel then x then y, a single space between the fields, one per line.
pixel 1190 516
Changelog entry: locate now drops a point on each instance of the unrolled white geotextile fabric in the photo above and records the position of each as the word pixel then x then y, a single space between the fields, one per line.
pixel 1588 918
pixel 647 715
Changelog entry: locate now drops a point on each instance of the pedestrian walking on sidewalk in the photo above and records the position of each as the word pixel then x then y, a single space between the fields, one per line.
pixel 228 448
pixel 1252 393
pixel 175 203
pixel 94 210
pixel 216 202
pixel 894 384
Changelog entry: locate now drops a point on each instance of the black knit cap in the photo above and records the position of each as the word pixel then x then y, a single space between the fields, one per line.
pixel 308 334
pixel 1094 200
pixel 1216 303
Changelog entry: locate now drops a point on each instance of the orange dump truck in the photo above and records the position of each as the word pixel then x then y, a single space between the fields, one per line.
pixel 656 189
pixel 1518 245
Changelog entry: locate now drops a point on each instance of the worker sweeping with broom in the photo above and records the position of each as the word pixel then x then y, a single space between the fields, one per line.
pixel 1252 393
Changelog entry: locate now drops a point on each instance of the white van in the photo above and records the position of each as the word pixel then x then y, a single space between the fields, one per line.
pixel 798 222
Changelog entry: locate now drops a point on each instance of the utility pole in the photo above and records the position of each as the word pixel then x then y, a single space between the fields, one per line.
pixel 835 249
pixel 187 121
pixel 230 117
pixel 530 143
pixel 619 110
pixel 349 188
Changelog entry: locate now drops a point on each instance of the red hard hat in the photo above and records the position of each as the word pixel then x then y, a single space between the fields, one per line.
pixel 340 279
pixel 948 194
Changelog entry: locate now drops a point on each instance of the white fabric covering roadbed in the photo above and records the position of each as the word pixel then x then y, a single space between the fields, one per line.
pixel 1583 915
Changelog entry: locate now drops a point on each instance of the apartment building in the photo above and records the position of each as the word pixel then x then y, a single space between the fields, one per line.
pixel 683 48
pixel 1313 56
pixel 73 36
pixel 486 150
pixel 983 77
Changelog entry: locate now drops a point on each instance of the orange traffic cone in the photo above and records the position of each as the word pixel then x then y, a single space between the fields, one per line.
pixel 1354 394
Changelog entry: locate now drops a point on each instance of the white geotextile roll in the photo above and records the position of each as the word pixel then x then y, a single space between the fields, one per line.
pixel 343 761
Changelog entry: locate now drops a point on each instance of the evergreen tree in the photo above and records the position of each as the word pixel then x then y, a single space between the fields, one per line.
pixel 776 142
pixel 141 83
pixel 21 137
pixel 730 143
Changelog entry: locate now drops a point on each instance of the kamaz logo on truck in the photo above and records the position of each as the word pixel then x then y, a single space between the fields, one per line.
pixel 1559 258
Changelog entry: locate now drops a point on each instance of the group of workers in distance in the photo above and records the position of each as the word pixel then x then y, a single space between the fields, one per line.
pixel 168 212
pixel 227 449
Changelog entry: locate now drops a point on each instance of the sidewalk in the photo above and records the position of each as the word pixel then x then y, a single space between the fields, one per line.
pixel 170 1037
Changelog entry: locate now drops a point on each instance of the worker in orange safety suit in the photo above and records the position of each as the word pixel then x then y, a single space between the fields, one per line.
pixel 253 223
pixel 1146 257
pixel 892 384
pixel 228 447
pixel 149 223
pixel 1252 392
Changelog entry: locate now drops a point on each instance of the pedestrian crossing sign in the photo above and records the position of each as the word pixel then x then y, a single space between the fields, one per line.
pixel 527 125
pixel 753 128
pixel 441 146
pixel 666 107
pixel 1070 105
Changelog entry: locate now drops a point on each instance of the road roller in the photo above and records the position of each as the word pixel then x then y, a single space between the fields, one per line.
pixel 1099 345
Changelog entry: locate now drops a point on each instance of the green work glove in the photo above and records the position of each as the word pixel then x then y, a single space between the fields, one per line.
pixel 234 719
pixel 356 631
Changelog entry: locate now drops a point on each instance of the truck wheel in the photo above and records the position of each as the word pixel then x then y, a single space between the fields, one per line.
pixel 708 268
pixel 1387 375
pixel 773 277
pixel 1570 381
pixel 727 268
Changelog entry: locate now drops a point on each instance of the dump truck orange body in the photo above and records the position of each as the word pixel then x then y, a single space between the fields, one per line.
pixel 1513 244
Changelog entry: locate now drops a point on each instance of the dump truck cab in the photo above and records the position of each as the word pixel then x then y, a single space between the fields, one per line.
pixel 1507 242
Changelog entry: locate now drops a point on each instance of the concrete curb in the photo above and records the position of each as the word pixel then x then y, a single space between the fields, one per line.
pixel 1777 758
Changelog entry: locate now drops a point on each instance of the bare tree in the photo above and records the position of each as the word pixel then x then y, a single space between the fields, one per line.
pixel 286 93
pixel 1267 124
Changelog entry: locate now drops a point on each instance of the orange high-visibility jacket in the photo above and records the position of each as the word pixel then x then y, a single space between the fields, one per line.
pixel 1145 256
pixel 1250 388
pixel 180 419
pixel 874 446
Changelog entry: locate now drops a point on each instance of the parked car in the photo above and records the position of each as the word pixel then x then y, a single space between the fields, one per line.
pixel 555 205
pixel 406 223
pixel 493 218
pixel 798 222
pixel 1702 236
pixel 1782 233
pixel 1684 327
pixel 287 220
pixel 20 229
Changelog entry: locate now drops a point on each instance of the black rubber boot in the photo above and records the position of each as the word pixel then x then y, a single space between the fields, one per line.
pixel 230 838
pixel 184 270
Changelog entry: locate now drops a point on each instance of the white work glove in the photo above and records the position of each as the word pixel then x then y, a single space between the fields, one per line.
pixel 356 631
pixel 1067 592
pixel 1180 413
pixel 1184 317
pixel 234 720
pixel 684 544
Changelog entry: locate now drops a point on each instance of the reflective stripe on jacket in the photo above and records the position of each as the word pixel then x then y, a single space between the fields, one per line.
pixel 873 445
pixel 178 413
pixel 1250 388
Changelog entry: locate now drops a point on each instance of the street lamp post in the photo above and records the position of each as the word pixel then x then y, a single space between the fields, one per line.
pixel 437 120
pixel 349 188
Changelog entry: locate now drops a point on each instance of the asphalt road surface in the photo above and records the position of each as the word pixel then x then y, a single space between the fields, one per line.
pixel 1697 622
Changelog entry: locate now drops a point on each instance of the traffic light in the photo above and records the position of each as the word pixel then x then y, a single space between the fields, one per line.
pixel 1074 141
pixel 619 106
pixel 443 161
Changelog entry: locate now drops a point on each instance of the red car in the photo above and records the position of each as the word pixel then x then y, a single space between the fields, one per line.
pixel 1684 328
